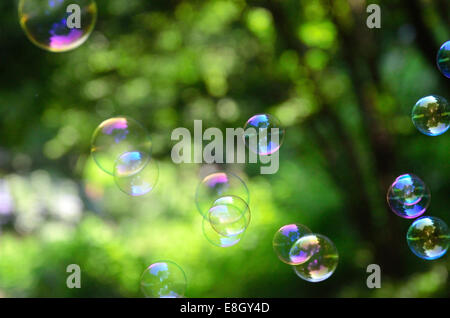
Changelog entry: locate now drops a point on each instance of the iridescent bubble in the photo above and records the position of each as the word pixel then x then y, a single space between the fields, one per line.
pixel 408 197
pixel 431 115
pixel 285 238
pixel 216 185
pixel 116 136
pixel 217 239
pixel 428 237
pixel 135 173
pixel 164 279
pixel 322 260
pixel 443 59
pixel 229 216
pixel 49 26
pixel 263 134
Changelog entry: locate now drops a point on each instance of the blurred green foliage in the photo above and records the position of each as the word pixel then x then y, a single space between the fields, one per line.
pixel 343 92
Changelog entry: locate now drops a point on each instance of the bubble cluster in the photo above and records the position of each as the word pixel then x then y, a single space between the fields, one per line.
pixel 408 196
pixel 314 257
pixel 122 148
pixel 431 115
pixel 285 238
pixel 428 237
pixel 222 199
pixel 216 185
pixel 164 279
pixel 443 59
pixel 263 134
pixel 318 255
pixel 53 25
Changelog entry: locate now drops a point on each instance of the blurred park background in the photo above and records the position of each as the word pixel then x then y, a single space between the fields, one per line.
pixel 343 92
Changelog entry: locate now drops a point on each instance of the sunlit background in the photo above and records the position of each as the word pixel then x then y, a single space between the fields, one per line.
pixel 343 93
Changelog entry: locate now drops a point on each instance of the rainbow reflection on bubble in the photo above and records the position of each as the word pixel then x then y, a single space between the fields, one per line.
pixel 263 134
pixel 163 279
pixel 285 238
pixel 217 185
pixel 116 136
pixel 428 237
pixel 443 59
pixel 408 197
pixel 322 260
pixel 431 115
pixel 135 173
pixel 45 23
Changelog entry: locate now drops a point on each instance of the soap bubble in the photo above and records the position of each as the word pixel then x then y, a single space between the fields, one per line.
pixel 408 197
pixel 285 238
pixel 116 136
pixel 431 115
pixel 217 185
pixel 428 237
pixel 49 26
pixel 443 59
pixel 263 134
pixel 135 173
pixel 322 260
pixel 217 239
pixel 229 216
pixel 164 279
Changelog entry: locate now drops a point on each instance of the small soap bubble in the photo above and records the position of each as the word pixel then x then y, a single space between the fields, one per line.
pixel 135 173
pixel 49 25
pixel 322 258
pixel 443 59
pixel 229 216
pixel 217 239
pixel 431 115
pixel 217 185
pixel 263 134
pixel 285 238
pixel 428 237
pixel 408 197
pixel 163 279
pixel 116 136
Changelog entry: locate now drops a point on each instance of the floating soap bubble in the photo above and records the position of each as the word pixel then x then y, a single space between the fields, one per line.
pixel 48 24
pixel 428 237
pixel 116 136
pixel 218 185
pixel 229 216
pixel 164 279
pixel 285 238
pixel 443 59
pixel 431 115
pixel 408 197
pixel 263 134
pixel 322 258
pixel 135 173
pixel 217 239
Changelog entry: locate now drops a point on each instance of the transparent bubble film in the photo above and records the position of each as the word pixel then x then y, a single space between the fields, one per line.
pixel 431 115
pixel 322 257
pixel 443 59
pixel 428 237
pixel 408 196
pixel 164 279
pixel 263 134
pixel 229 216
pixel 57 25
pixel 135 173
pixel 116 136
pixel 285 238
pixel 216 239
pixel 217 185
